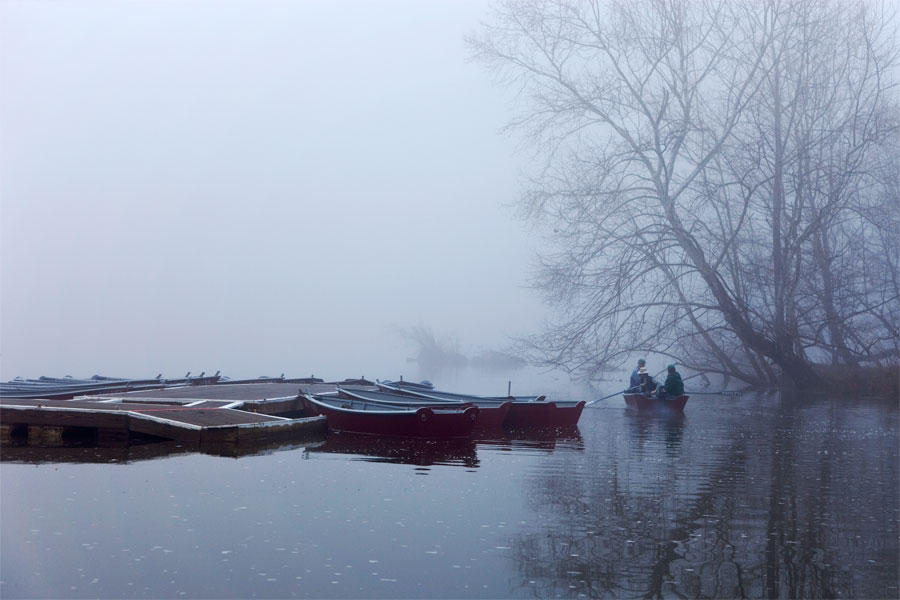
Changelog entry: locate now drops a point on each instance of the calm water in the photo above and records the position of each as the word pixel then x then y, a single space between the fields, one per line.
pixel 747 498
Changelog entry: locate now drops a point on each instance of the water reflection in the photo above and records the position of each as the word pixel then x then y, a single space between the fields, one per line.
pixel 537 438
pixel 130 451
pixel 419 452
pixel 779 500
pixel 83 453
pixel 447 452
pixel 666 428
pixel 757 497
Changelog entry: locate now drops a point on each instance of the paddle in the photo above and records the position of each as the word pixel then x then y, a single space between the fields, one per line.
pixel 625 391
pixel 632 389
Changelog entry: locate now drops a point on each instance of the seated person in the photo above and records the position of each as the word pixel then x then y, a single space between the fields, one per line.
pixel 673 386
pixel 634 384
pixel 648 384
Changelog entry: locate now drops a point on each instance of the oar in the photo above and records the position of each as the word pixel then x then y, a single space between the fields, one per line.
pixel 625 391
pixel 722 393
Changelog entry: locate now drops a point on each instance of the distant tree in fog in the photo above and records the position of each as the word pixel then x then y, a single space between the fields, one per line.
pixel 495 360
pixel 433 355
pixel 718 180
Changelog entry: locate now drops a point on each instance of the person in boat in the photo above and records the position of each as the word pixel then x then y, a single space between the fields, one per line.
pixel 648 384
pixel 673 386
pixel 635 382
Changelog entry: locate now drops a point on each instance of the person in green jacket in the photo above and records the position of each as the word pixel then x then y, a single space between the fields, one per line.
pixel 673 386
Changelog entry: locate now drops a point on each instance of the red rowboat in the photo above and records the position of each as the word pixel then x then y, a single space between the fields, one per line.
pixel 642 402
pixel 490 414
pixel 358 416
pixel 544 413
pixel 528 411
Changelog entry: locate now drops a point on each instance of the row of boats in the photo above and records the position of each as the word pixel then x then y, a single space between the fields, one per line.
pixel 381 408
pixel 418 410
pixel 64 388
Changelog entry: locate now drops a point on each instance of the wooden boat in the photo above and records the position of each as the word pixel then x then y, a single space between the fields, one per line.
pixel 411 385
pixel 264 379
pixel 359 416
pixel 351 381
pixel 491 414
pixel 64 388
pixel 642 402
pixel 524 411
pixel 544 413
pixel 453 396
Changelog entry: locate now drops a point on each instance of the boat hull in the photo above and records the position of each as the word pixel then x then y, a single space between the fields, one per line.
pixel 531 411
pixel 642 402
pixel 422 422
pixel 544 414
pixel 490 414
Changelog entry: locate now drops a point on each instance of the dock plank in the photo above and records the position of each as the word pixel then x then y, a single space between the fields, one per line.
pixel 207 417
pixel 203 421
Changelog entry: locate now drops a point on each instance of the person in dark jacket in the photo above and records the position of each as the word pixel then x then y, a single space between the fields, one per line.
pixel 635 383
pixel 673 386
pixel 648 384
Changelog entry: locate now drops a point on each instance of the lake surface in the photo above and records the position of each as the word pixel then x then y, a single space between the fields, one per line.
pixel 745 497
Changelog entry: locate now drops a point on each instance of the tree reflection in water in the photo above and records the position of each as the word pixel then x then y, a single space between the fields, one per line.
pixel 784 500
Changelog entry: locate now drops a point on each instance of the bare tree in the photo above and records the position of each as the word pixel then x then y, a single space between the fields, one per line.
pixel 709 172
pixel 433 354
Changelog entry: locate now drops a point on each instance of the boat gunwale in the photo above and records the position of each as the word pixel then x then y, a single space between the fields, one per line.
pixel 389 409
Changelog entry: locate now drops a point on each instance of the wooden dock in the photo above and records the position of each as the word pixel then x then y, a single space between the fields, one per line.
pixel 202 415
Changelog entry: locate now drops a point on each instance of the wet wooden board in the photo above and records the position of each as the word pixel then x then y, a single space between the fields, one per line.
pixel 210 421
pixel 207 417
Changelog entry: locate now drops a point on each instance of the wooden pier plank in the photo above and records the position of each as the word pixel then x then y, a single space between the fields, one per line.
pixel 208 421
pixel 206 417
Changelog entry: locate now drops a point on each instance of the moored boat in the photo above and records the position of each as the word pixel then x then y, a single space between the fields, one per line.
pixel 359 416
pixel 524 411
pixel 411 385
pixel 442 395
pixel 642 402
pixel 491 414
pixel 64 388
pixel 544 413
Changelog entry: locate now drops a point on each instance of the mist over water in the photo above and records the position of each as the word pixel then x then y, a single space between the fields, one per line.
pixel 319 189
pixel 256 190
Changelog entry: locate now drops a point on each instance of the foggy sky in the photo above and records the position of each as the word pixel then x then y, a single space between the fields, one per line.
pixel 256 187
